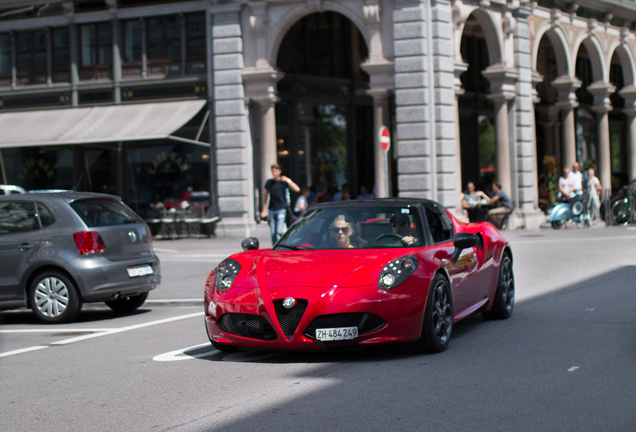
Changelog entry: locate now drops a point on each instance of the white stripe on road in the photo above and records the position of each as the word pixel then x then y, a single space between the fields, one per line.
pixel 573 368
pixel 164 250
pixel 55 330
pixel 175 300
pixel 23 350
pixel 179 354
pixel 125 329
pixel 565 240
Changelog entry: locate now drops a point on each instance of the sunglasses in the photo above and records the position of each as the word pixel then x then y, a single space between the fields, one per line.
pixel 336 230
pixel 400 223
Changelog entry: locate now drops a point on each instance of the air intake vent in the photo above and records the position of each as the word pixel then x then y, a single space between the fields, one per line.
pixel 290 318
pixel 251 326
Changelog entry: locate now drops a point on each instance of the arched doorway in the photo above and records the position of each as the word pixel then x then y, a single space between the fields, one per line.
pixel 546 112
pixel 476 111
pixel 324 119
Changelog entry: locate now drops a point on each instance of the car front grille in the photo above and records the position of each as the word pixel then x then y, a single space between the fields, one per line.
pixel 251 326
pixel 365 322
pixel 290 318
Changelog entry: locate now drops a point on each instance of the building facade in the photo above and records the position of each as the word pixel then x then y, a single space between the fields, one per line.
pixel 145 98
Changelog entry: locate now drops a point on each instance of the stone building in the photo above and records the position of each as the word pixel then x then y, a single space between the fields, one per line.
pixel 144 97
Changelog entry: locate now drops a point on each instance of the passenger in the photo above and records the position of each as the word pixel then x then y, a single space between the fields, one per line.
pixel 342 232
pixel 401 225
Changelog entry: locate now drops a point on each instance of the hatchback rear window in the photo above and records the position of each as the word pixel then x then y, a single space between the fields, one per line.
pixel 104 212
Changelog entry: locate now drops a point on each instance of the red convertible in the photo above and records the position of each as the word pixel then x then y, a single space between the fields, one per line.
pixel 359 273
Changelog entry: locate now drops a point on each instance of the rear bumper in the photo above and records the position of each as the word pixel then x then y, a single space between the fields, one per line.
pixel 401 311
pixel 100 278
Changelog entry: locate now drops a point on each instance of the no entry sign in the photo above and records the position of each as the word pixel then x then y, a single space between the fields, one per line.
pixel 385 138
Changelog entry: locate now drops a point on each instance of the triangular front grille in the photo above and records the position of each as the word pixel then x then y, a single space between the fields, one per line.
pixel 288 319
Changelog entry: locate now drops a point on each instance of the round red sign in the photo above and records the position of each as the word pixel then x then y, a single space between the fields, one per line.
pixel 385 138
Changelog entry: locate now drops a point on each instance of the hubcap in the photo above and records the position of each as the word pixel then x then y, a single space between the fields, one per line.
pixel 507 284
pixel 442 313
pixel 51 297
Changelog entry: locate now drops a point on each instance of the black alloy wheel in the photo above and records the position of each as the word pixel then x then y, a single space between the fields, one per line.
pixel 438 318
pixel 505 295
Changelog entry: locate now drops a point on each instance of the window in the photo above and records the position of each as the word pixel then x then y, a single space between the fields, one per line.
pixel 61 55
pixel 132 41
pixel 5 60
pixel 104 212
pixel 31 57
pixel 16 217
pixel 46 217
pixel 96 51
pixel 439 223
pixel 164 45
pixel 196 52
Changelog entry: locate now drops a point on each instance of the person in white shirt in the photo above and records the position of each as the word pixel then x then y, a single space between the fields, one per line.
pixel 594 190
pixel 566 185
pixel 577 177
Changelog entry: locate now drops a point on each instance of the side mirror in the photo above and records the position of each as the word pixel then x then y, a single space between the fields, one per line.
pixel 250 244
pixel 463 241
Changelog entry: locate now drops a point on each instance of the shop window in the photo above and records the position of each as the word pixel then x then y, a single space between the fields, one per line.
pixel 5 60
pixel 96 51
pixel 196 54
pixel 61 55
pixel 164 45
pixel 31 57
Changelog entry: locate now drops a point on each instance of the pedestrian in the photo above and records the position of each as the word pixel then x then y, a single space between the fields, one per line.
pixel 276 199
pixel 364 193
pixel 343 195
pixel 472 200
pixel 594 190
pixel 566 186
pixel 502 205
pixel 301 203
pixel 577 178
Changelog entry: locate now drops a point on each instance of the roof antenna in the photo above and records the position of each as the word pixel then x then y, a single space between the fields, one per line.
pixel 78 183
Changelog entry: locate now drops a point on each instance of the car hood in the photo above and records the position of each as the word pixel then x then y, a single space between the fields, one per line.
pixel 344 268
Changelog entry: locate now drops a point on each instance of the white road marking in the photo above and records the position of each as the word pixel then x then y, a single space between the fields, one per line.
pixel 165 250
pixel 23 350
pixel 573 368
pixel 589 309
pixel 179 354
pixel 125 329
pixel 566 240
pixel 175 300
pixel 55 330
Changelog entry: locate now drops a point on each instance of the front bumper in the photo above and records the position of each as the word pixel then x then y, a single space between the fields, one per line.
pixel 400 312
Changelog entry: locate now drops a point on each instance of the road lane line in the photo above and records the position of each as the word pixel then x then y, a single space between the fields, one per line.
pixel 573 368
pixel 180 354
pixel 23 350
pixel 125 329
pixel 578 239
pixel 54 330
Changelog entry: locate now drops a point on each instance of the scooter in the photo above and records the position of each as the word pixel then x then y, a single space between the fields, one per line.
pixel 562 214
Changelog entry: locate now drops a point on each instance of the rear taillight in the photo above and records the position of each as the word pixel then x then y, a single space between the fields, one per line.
pixel 89 243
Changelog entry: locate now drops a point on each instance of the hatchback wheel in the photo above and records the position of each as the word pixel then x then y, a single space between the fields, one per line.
pixel 54 298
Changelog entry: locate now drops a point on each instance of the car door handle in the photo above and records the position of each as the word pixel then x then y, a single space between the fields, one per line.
pixel 25 246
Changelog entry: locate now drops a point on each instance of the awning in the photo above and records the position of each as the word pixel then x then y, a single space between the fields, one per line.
pixel 98 124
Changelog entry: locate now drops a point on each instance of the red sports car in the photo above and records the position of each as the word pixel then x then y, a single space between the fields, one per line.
pixel 358 273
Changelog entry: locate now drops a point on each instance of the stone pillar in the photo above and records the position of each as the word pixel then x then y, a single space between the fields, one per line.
pixel 233 148
pixel 14 60
pixel 460 67
pixel 503 90
pixel 260 87
pixel 381 83
pixel 629 94
pixel 602 105
pixel 117 67
pixel 49 57
pixel 74 48
pixel 566 86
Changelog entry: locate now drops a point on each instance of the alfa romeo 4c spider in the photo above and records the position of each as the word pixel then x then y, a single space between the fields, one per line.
pixel 361 273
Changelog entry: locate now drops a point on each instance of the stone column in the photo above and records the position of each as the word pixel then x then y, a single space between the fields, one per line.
pixel 629 94
pixel 602 105
pixel 566 86
pixel 381 83
pixel 260 86
pixel 503 89
pixel 117 64
pixel 460 68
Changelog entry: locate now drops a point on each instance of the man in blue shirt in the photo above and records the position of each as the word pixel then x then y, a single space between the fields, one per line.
pixel 501 203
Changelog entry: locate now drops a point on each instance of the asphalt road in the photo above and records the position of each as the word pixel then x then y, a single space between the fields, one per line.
pixel 564 361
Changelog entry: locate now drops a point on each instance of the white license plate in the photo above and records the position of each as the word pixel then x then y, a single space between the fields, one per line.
pixel 139 271
pixel 335 334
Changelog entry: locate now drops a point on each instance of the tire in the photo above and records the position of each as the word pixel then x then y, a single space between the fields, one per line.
pixel 557 224
pixel 438 318
pixel 127 304
pixel 620 211
pixel 505 295
pixel 54 298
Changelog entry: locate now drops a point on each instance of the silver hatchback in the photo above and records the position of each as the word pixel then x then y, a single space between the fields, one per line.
pixel 59 250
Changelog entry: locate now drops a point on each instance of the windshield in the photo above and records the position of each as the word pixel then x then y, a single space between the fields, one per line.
pixel 355 227
pixel 102 212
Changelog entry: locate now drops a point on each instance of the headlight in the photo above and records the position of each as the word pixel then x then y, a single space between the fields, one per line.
pixel 226 272
pixel 397 271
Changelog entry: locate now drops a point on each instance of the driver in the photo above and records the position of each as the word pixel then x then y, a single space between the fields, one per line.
pixel 401 225
pixel 342 232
